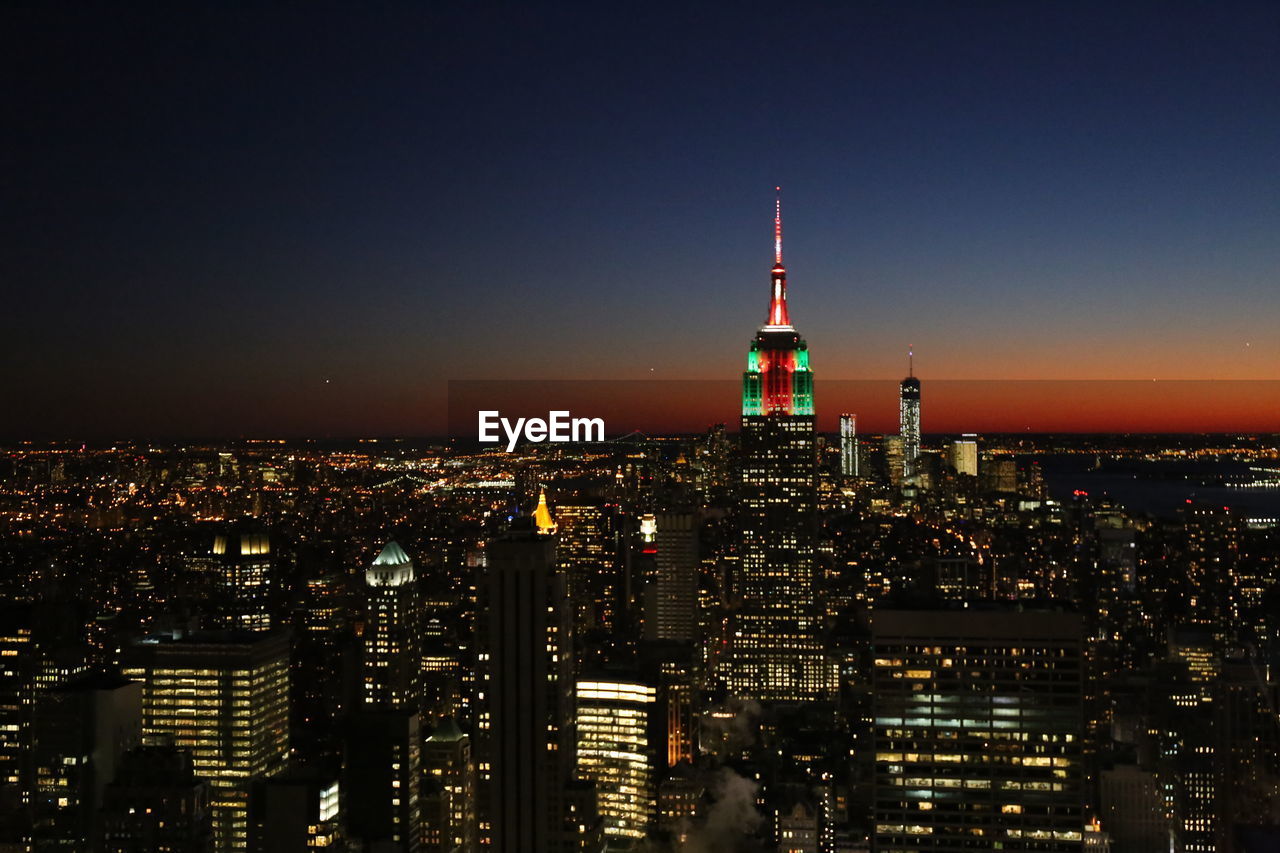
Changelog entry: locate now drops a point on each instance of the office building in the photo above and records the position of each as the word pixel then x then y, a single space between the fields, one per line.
pixel 978 727
pixel 618 725
pixel 382 778
pixel 848 445
pixel 963 455
pixel 449 791
pixel 298 811
pixel 223 696
pixel 909 422
pixel 236 567
pixel 672 602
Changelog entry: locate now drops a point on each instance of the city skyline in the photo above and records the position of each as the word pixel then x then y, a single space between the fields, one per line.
pixel 266 240
pixel 413 443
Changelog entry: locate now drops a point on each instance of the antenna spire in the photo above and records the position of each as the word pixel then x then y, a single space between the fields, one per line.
pixel 778 317
pixel 777 228
pixel 911 360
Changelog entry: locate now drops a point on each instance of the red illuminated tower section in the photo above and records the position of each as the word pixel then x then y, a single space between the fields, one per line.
pixel 778 379
pixel 775 648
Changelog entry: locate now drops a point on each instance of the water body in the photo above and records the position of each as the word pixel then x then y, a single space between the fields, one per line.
pixel 1160 487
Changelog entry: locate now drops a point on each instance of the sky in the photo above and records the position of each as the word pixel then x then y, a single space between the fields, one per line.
pixel 305 219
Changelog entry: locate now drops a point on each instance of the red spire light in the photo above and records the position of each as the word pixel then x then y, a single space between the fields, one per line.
pixel 778 315
pixel 777 229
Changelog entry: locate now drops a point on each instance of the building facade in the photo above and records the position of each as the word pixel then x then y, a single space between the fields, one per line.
pixel 978 728
pixel 224 697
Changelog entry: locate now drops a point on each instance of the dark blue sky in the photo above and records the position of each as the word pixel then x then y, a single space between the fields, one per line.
pixel 304 219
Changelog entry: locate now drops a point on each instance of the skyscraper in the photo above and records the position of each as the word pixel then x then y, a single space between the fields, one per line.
pixel 449 791
pixel 775 649
pixel 525 730
pixel 978 726
pixel 392 640
pixel 585 551
pixel 225 697
pixel 382 779
pixel 17 677
pixel 617 727
pixel 909 421
pixel 239 572
pixel 848 445
pixel 964 455
pixel 674 594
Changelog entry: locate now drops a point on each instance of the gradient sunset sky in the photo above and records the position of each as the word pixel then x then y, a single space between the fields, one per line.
pixel 305 219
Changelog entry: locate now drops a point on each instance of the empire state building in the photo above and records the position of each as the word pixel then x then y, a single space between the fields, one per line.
pixel 775 648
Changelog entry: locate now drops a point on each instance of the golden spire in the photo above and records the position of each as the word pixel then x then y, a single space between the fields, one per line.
pixel 542 516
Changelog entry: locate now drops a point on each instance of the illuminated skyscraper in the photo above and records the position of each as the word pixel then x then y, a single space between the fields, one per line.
pixel 224 696
pixel 964 455
pixel 909 422
pixel 775 650
pixel 893 458
pixel 392 639
pixel 617 728
pixel 584 549
pixel 673 614
pixel 978 730
pixel 849 445
pixel 239 567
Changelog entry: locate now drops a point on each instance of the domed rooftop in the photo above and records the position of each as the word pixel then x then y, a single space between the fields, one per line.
pixel 392 555
pixel 392 567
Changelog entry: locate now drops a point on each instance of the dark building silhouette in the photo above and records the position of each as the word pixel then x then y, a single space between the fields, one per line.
pixel 526 738
pixel 81 731
pixel 156 804
pixel 382 780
